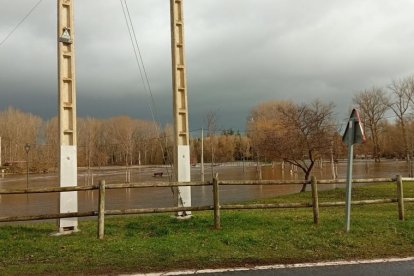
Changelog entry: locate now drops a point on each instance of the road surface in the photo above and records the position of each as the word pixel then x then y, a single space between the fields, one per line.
pixel 386 267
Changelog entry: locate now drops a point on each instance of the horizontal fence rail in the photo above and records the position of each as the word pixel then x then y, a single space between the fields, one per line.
pixel 361 180
pixel 216 207
pixel 157 210
pixel 49 216
pixel 262 182
pixel 302 182
pixel 157 185
pixel 192 184
pixel 48 190
pixel 197 208
pixel 96 187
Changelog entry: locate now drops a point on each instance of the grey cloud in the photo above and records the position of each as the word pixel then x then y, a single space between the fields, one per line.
pixel 239 53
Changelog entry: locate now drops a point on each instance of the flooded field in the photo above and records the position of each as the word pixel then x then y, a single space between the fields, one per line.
pixel 15 205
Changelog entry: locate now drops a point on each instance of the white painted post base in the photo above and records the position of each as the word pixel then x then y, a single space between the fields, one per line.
pixel 183 194
pixel 183 200
pixel 64 232
pixel 68 201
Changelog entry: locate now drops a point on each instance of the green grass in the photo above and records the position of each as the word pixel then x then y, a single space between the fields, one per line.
pixel 159 242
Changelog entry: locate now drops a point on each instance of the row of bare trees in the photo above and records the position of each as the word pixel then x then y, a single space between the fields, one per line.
pixel 276 130
pixel 16 129
pixel 115 141
pixel 103 142
pixel 387 116
pixel 227 146
pixel 301 134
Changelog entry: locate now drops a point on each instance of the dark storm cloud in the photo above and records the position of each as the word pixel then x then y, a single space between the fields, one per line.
pixel 239 53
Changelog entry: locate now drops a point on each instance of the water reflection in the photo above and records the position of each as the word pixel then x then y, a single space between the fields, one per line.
pixel 15 205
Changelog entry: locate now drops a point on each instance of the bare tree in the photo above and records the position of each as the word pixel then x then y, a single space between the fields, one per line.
pixel 373 103
pixel 88 130
pixel 122 129
pixel 226 145
pixel 52 141
pixel 152 143
pixel 402 92
pixel 297 134
pixel 18 128
pixel 211 122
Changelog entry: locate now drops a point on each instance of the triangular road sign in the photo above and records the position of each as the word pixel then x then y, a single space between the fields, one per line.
pixel 354 133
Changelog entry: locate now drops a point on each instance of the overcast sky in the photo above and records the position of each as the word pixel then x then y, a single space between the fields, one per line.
pixel 239 53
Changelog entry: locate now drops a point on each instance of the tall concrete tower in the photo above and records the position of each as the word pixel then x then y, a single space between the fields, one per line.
pixel 180 106
pixel 68 201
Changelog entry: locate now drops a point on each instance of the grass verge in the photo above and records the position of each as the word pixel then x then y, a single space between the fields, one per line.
pixel 159 242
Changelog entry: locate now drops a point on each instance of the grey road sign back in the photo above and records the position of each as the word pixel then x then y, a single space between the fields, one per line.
pixel 354 133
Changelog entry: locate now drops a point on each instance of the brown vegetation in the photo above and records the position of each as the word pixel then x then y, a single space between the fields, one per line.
pixel 373 103
pixel 299 134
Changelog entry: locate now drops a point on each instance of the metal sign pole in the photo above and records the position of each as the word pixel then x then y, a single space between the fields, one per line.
pixel 349 187
pixel 354 134
pixel 202 155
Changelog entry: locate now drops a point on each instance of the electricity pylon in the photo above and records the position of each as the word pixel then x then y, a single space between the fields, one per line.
pixel 182 166
pixel 68 201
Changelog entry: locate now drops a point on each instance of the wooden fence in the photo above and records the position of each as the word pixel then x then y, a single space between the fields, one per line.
pixel 216 207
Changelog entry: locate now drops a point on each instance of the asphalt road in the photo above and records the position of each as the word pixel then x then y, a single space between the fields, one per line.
pixel 366 269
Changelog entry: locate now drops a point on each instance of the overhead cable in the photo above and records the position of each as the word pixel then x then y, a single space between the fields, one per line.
pixel 142 70
pixel 20 23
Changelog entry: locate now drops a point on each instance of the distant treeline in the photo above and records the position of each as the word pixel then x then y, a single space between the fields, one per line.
pixel 101 142
pixel 276 130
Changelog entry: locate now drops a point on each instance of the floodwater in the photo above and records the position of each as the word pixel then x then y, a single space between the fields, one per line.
pixel 34 204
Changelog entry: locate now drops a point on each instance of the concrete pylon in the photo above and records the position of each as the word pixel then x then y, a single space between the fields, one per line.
pixel 182 166
pixel 68 201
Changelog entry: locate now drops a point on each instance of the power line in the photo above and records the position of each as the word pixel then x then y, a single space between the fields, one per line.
pixel 20 23
pixel 138 57
pixel 142 71
pixel 142 61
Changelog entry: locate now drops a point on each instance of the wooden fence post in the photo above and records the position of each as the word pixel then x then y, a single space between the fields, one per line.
pixel 400 196
pixel 216 198
pixel 315 201
pixel 101 210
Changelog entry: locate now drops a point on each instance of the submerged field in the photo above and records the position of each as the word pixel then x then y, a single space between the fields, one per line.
pixel 160 242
